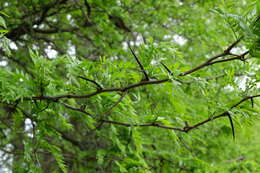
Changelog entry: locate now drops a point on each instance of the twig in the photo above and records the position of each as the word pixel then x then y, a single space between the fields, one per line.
pixel 115 104
pixel 185 146
pixel 76 109
pixel 225 53
pixel 239 57
pixel 110 109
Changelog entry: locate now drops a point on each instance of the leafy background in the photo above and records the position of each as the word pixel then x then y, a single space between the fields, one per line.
pixel 52 51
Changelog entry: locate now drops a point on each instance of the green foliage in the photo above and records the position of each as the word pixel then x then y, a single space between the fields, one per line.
pixel 73 97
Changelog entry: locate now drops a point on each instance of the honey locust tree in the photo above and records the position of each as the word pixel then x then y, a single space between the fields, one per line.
pixel 129 86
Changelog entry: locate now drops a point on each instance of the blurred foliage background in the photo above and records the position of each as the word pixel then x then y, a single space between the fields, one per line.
pixel 64 65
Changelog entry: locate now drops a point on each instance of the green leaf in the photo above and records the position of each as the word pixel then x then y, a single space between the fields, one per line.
pixel 2 22
pixel 100 156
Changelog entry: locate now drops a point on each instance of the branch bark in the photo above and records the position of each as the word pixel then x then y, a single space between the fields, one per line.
pixel 211 60
pixel 186 128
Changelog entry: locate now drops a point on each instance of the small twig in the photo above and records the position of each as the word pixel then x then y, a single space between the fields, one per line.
pixel 116 103
pixel 140 64
pixel 207 63
pixel 76 109
pixel 228 50
pixel 185 146
pixel 92 81
pixel 110 109
pixel 171 74
pixel 42 109
pixel 239 57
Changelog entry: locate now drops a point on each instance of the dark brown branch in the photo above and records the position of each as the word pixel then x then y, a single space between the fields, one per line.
pixel 92 81
pixel 239 57
pixel 207 63
pixel 139 63
pixel 54 30
pixel 76 109
pixel 228 50
pixel 142 125
pixel 201 65
pixel 186 128
pixel 119 23
pixel 244 99
pixel 123 89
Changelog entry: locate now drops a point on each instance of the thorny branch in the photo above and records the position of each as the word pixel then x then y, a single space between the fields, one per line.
pixel 186 128
pixel 146 82
pixel 211 60
pixel 125 89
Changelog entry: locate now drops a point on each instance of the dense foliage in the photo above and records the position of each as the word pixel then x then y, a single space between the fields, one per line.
pixel 129 86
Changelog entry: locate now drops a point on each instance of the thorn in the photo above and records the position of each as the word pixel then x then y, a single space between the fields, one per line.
pixel 252 102
pixel 139 63
pixel 169 71
pixel 231 124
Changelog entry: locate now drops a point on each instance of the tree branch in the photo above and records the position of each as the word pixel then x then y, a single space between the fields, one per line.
pixel 123 89
pixel 142 83
pixel 208 62
pixel 54 30
pixel 186 128
pixel 76 109
pixel 239 57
